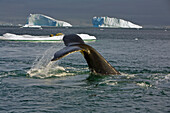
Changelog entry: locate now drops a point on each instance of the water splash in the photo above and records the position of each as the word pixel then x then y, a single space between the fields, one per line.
pixel 44 68
pixel 143 84
pixel 109 82
pixel 128 76
pixel 46 71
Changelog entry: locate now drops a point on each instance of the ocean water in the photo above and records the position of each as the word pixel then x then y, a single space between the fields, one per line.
pixel 30 83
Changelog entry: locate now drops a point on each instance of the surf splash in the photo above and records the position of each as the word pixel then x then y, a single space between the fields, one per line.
pixel 46 71
pixel 44 68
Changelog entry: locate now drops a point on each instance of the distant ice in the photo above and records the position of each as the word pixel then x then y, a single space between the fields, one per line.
pixel 43 20
pixel 113 22
pixel 15 37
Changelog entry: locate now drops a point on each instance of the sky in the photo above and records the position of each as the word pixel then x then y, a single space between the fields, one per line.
pixel 81 12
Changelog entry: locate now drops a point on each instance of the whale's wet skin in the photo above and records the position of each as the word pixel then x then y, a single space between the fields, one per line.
pixel 97 64
pixel 30 82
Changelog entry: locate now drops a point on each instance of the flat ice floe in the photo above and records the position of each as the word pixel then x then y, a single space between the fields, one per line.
pixel 15 37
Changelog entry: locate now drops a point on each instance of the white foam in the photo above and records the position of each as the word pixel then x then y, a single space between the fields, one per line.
pixel 111 82
pixel 47 71
pixel 143 85
pixel 44 68
pixel 136 39
pixel 167 77
pixel 128 75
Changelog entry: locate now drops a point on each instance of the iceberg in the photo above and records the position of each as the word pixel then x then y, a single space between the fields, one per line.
pixel 43 20
pixel 113 23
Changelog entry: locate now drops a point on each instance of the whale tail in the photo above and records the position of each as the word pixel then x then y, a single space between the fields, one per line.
pixel 97 64
pixel 70 42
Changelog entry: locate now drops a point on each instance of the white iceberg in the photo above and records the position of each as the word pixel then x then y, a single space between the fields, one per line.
pixel 43 20
pixel 113 22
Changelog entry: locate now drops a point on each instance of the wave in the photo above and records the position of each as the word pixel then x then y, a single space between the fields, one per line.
pixel 131 81
pixel 143 70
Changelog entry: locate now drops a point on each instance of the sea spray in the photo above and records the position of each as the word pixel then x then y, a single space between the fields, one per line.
pixel 51 69
pixel 44 68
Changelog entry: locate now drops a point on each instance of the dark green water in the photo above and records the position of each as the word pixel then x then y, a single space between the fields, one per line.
pixel 142 57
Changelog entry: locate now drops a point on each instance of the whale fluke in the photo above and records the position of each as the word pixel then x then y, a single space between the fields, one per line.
pixel 97 64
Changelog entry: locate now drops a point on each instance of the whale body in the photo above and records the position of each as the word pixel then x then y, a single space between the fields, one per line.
pixel 96 62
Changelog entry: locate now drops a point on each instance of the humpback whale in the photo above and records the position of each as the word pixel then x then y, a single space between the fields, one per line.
pixel 96 62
